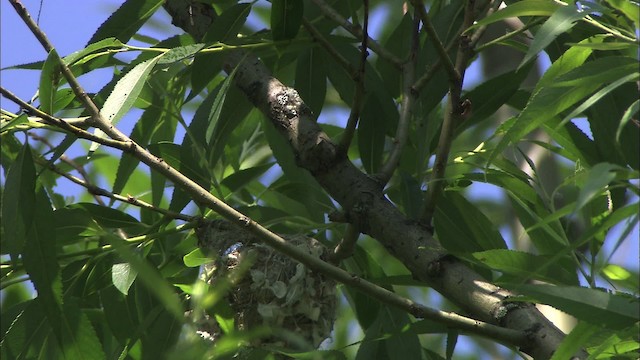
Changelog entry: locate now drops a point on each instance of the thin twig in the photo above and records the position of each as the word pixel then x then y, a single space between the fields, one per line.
pixel 454 75
pixel 357 32
pixel 408 99
pixel 54 121
pixel 98 191
pixel 454 112
pixel 341 60
pixel 358 97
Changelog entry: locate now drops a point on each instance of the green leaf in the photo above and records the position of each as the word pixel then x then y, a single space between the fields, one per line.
pixel 561 21
pixel 628 8
pixel 123 275
pixel 239 179
pixel 631 111
pixel 109 43
pixel 562 92
pixel 593 306
pixel 598 177
pixel 150 276
pixel 180 53
pixel 218 103
pixel 124 95
pixel 142 132
pixel 74 224
pixel 390 337
pixel 462 227
pixel 126 21
pixel 110 218
pixel 196 258
pixel 49 80
pixel 525 266
pixel 118 315
pixel 489 96
pixel 574 341
pixel 311 79
pixel 286 17
pixel 18 201
pixel 79 340
pixel 520 8
pixel 599 95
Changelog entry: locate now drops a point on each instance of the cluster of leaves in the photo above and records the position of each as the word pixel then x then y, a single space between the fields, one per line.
pixel 114 280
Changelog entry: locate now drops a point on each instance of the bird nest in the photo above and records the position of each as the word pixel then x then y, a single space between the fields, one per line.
pixel 275 290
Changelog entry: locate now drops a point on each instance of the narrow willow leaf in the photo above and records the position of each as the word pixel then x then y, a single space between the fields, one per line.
pixel 598 178
pixel 18 202
pixel 631 111
pixel 39 257
pixel 150 276
pixel 311 79
pixel 286 17
pixel 241 178
pixel 526 266
pixel 628 8
pixel 109 43
pixel 49 80
pixel 597 96
pixel 123 96
pixel 464 228
pixel 118 316
pixel 574 341
pixel 615 311
pixel 14 124
pixel 565 87
pixel 110 218
pixel 180 53
pixel 560 22
pixel 141 134
pixel 123 275
pixel 520 8
pixel 218 103
pixel 79 339
pixel 126 21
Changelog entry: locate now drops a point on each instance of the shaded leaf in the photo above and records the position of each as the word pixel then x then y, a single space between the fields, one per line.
pixel 126 21
pixel 286 17
pixel 18 201
pixel 526 266
pixel 593 306
pixel 49 79
pixel 520 8
pixel 311 79
pixel 462 227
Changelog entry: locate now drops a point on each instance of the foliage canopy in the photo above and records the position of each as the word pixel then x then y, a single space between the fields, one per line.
pixel 379 143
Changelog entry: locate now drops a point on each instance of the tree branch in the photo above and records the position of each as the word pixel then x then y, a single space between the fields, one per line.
pixel 406 113
pixel 454 113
